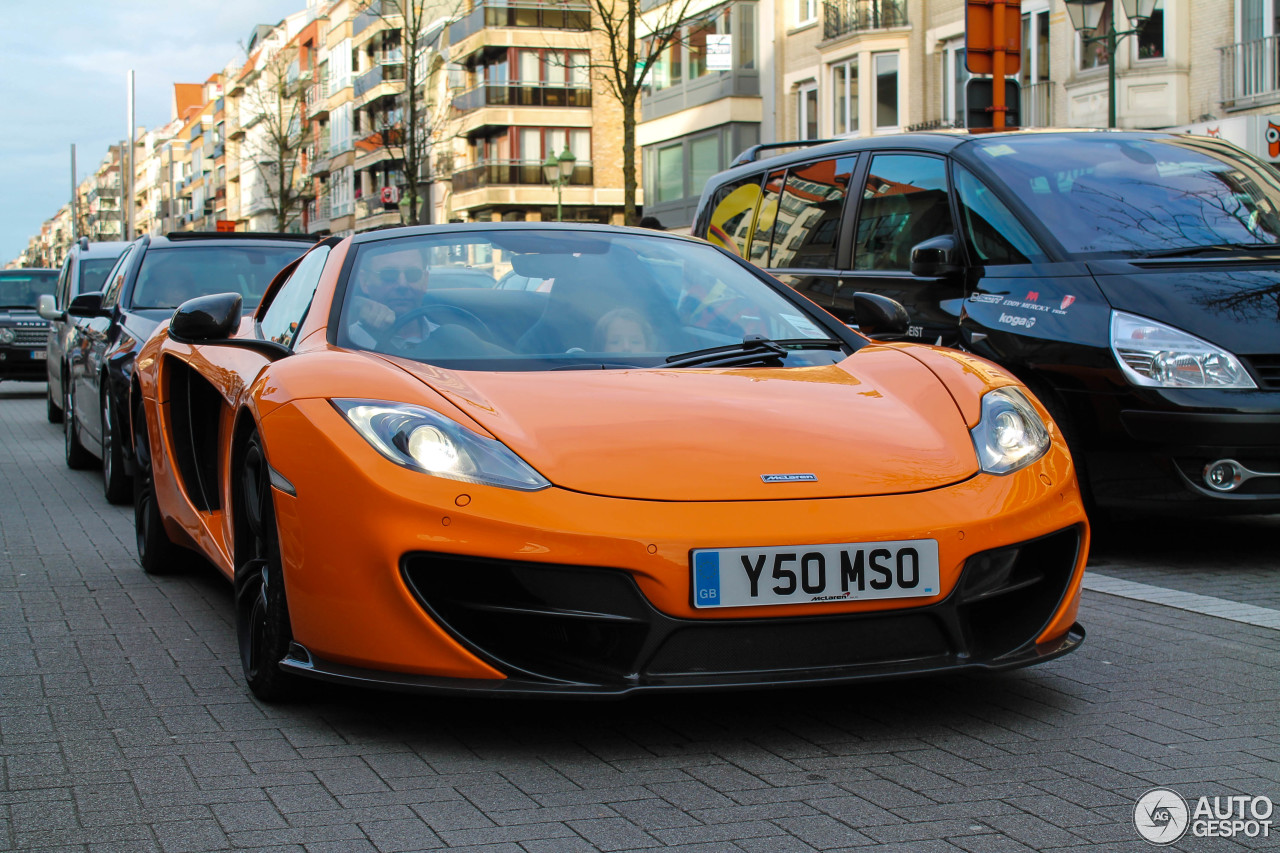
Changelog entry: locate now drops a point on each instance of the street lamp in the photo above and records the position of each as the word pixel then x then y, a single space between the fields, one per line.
pixel 558 171
pixel 1087 15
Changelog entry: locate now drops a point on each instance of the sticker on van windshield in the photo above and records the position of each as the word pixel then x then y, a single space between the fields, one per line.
pixel 996 150
pixel 804 326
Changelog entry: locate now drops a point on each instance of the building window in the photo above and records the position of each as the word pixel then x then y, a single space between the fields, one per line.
pixel 806 12
pixel 955 74
pixel 844 94
pixel 669 185
pixel 807 111
pixel 886 65
pixel 685 59
pixel 704 161
pixel 1150 38
pixel 1091 47
pixel 1035 109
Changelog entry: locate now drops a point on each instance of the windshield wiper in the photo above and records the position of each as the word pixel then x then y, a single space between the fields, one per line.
pixel 754 348
pixel 1189 251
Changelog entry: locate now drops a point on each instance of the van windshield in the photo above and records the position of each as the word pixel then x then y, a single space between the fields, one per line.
pixel 1105 196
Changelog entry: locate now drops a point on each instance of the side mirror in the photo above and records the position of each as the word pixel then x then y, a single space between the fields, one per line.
pixel 206 318
pixel 879 316
pixel 87 305
pixel 936 257
pixel 47 308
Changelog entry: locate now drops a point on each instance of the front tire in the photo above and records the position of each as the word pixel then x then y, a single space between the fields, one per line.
pixel 78 458
pixel 156 553
pixel 116 485
pixel 262 610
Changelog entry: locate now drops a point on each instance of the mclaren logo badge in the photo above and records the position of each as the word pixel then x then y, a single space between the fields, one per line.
pixel 788 478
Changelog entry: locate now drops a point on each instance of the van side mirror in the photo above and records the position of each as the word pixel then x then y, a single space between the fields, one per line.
pixel 937 257
pixel 879 316
pixel 47 308
pixel 206 318
pixel 87 305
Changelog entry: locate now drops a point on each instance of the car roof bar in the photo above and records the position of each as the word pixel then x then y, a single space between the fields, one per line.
pixel 751 154
pixel 236 235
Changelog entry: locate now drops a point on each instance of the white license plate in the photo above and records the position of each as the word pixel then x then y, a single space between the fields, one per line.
pixel 807 574
pixel 39 355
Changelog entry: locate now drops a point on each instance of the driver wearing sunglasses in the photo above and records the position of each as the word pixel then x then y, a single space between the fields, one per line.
pixel 392 284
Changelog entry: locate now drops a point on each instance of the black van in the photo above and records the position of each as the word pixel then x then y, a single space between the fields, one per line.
pixel 1131 279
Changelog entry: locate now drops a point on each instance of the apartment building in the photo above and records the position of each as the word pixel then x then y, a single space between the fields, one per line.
pixel 522 90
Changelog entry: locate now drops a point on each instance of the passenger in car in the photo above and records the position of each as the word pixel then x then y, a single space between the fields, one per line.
pixel 623 330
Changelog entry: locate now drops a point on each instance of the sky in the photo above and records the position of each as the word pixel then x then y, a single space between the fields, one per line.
pixel 63 80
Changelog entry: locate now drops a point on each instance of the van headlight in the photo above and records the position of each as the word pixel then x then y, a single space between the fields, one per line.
pixel 1154 355
pixel 1010 435
pixel 427 441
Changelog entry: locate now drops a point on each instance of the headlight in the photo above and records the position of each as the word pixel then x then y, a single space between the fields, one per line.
pixel 1159 356
pixel 1010 434
pixel 427 441
pixel 7 336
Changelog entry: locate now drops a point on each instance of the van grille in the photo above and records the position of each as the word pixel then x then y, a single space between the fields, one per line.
pixel 1267 369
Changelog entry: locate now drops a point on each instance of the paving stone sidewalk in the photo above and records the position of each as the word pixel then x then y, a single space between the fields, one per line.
pixel 125 728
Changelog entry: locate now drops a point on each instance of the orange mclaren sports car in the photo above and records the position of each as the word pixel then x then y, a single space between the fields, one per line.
pixel 529 458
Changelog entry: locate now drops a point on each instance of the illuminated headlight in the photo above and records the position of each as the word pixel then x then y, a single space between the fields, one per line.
pixel 427 441
pixel 7 336
pixel 1159 356
pixel 1010 434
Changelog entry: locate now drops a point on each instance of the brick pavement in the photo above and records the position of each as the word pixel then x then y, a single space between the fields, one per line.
pixel 125 727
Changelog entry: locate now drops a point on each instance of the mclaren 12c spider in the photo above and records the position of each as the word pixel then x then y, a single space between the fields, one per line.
pixel 650 467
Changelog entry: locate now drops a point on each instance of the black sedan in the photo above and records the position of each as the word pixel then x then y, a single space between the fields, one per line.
pixel 155 276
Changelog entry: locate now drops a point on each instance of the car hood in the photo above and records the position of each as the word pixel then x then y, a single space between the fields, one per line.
pixel 1234 304
pixel 878 423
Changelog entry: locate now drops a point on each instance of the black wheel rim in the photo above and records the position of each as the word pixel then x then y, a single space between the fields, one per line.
pixel 107 438
pixel 251 601
pixel 252 591
pixel 68 433
pixel 145 495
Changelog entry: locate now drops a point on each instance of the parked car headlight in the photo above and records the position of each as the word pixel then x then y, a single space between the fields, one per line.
pixel 1010 435
pixel 427 441
pixel 7 336
pixel 1159 356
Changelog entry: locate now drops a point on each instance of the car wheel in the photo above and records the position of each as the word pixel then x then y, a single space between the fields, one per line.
pixel 115 483
pixel 77 456
pixel 262 611
pixel 156 553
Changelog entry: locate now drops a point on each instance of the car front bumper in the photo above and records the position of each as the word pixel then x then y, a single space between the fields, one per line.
pixel 410 581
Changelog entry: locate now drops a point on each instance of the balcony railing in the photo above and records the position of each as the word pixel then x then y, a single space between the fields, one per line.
pixel 374 12
pixel 841 17
pixel 1035 105
pixel 514 172
pixel 522 95
pixel 548 15
pixel 1251 72
pixel 374 76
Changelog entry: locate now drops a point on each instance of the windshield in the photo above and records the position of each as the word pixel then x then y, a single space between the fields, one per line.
pixel 22 288
pixel 170 277
pixel 1102 195
pixel 559 300
pixel 93 274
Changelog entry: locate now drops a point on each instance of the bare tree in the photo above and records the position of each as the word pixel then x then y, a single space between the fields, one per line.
pixel 420 24
pixel 277 131
pixel 630 43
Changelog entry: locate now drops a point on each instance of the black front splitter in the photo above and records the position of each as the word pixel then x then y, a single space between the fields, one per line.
pixel 303 663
